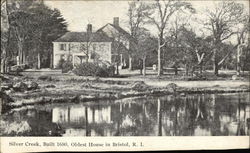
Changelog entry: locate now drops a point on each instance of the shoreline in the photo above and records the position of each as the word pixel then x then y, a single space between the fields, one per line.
pixel 76 91
pixel 44 87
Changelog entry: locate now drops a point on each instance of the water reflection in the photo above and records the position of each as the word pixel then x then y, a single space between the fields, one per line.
pixel 191 115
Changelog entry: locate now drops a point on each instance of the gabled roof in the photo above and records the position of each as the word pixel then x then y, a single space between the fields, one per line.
pixel 119 29
pixel 83 37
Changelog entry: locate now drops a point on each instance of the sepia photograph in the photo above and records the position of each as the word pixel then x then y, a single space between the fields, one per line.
pixel 128 68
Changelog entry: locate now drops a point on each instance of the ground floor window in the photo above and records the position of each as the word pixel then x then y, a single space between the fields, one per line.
pixel 63 47
pixel 78 59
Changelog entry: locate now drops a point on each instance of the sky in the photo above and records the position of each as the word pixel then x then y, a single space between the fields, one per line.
pixel 79 13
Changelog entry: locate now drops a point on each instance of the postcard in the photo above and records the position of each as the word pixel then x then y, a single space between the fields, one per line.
pixel 123 75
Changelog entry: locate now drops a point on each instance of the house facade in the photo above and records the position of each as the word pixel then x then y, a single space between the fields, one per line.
pixel 108 44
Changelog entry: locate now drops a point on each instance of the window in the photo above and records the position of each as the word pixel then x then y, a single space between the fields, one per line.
pixel 92 55
pixel 63 47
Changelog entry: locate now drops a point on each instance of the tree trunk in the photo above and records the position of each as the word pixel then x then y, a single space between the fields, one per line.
pixel 215 64
pixel 24 58
pixel 51 60
pixel 20 52
pixel 3 60
pixel 238 66
pixel 38 61
pixel 216 69
pixel 186 69
pixel 130 62
pixel 160 72
pixel 140 66
pixel 201 69
pixel 192 72
pixel 4 55
pixel 175 70
pixel 87 59
pixel 144 66
pixel 2 65
pixel 117 68
pixel 87 54
pixel 6 66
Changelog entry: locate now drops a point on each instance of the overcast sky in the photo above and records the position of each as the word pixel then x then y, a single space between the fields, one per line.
pixel 79 13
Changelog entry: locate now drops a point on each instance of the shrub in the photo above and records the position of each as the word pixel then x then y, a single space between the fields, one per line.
pixel 67 66
pixel 45 78
pixel 85 69
pixel 105 71
pixel 93 69
pixel 60 63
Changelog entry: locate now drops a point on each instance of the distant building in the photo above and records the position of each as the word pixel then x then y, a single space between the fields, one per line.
pixel 110 44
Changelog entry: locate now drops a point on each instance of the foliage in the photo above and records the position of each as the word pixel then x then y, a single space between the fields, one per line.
pixel 67 66
pixel 137 13
pixel 185 48
pixel 159 15
pixel 60 63
pixel 222 23
pixel 94 69
pixel 105 71
pixel 32 28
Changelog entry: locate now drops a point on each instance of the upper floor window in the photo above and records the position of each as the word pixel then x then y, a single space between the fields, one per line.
pixel 63 47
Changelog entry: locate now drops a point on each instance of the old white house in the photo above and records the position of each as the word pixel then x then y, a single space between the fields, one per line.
pixel 110 44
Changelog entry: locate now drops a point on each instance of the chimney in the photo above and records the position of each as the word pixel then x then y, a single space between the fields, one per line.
pixel 89 28
pixel 116 21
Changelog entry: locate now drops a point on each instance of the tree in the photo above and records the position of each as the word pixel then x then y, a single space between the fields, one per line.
pixel 198 50
pixel 117 46
pixel 221 22
pixel 34 27
pixel 146 45
pixel 85 47
pixel 5 34
pixel 137 17
pixel 243 45
pixel 159 15
pixel 177 53
pixel 49 25
pixel 20 21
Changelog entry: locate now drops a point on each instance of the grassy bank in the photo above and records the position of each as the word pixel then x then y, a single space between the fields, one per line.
pixel 55 87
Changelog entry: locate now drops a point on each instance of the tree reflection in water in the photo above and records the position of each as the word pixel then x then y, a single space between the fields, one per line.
pixel 191 115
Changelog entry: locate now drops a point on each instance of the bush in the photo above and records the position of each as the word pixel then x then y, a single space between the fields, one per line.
pixel 45 78
pixel 85 69
pixel 105 71
pixel 93 69
pixel 67 66
pixel 60 63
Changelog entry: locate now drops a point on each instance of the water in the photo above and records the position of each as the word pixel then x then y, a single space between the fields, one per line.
pixel 190 115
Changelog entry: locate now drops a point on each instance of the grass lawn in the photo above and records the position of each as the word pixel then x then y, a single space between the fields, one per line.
pixel 223 80
pixel 55 86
